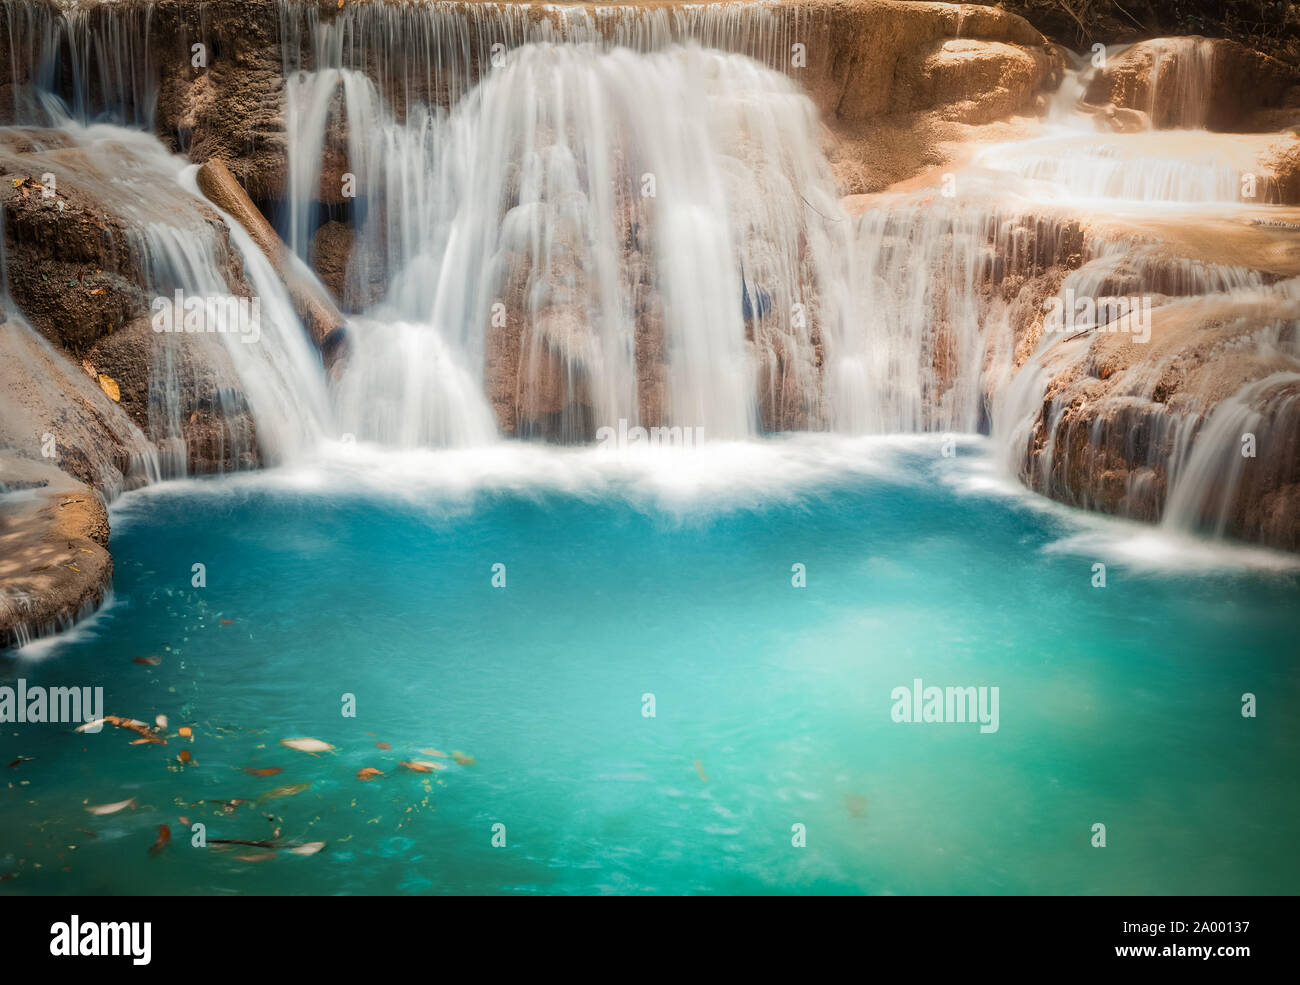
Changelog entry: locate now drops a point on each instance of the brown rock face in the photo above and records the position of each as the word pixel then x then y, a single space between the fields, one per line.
pixel 1280 166
pixel 54 562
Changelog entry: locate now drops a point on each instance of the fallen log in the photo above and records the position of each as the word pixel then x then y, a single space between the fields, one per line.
pixel 321 316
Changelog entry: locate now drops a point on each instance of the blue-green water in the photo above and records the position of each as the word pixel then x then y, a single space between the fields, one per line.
pixel 1119 705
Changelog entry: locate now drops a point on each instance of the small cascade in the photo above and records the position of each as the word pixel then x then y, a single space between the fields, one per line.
pixel 1211 482
pixel 1182 79
pixel 106 59
pixel 1135 168
pixel 94 91
pixel 910 358
pixel 178 247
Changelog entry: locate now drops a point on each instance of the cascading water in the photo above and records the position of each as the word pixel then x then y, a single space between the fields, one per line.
pixel 597 197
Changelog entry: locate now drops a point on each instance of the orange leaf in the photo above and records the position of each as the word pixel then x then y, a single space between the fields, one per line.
pixel 263 770
pixel 164 836
pixel 369 773
pixel 382 745
pixel 421 766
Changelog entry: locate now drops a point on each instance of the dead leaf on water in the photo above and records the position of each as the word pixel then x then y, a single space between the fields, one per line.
pixel 148 661
pixel 256 857
pixel 310 745
pixel 434 752
pixel 310 848
pixel 131 724
pixel 699 768
pixel 382 745
pixel 21 759
pixel 289 790
pixel 164 836
pixel 263 770
pixel 462 759
pixel 369 773
pixel 422 766
pixel 100 810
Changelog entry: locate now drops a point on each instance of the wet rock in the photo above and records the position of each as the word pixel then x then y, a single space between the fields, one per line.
pixel 54 562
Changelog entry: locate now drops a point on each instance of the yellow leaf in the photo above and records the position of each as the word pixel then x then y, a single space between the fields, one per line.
pixel 109 386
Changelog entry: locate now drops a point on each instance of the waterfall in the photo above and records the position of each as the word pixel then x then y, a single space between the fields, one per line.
pixel 612 203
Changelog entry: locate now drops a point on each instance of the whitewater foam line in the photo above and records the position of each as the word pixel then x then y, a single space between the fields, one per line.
pixel 722 476
pixel 805 469
pixel 41 641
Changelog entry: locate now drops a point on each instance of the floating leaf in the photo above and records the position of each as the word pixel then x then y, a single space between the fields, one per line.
pixel 699 768
pixel 434 752
pixel 256 857
pixel 109 386
pixel 369 773
pixel 100 810
pixel 262 770
pixel 148 661
pixel 310 745
pixel 160 721
pixel 21 759
pixel 184 757
pixel 164 836
pixel 382 745
pixel 140 728
pixel 227 622
pixel 462 759
pixel 289 790
pixel 185 732
pixel 422 766
pixel 310 848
